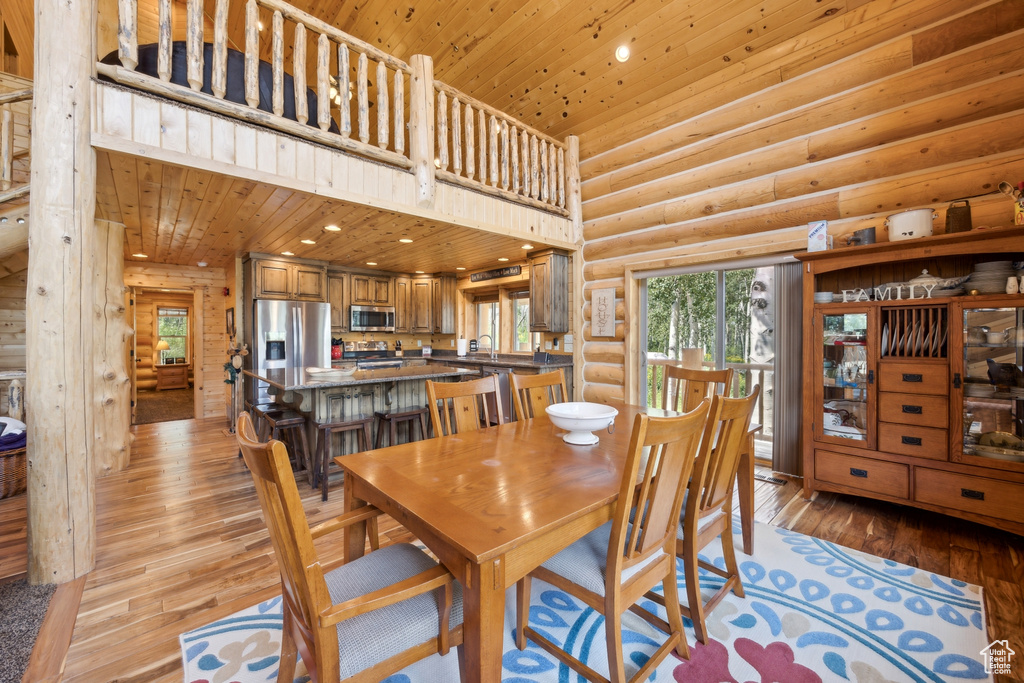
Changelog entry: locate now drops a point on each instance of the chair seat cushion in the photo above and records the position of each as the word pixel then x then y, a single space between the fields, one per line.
pixel 371 638
pixel 585 562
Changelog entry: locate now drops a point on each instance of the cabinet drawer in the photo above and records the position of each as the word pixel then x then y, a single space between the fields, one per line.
pixel 875 476
pixel 989 497
pixel 913 409
pixel 920 442
pixel 914 378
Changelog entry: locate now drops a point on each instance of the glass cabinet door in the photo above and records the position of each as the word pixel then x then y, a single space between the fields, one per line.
pixel 993 384
pixel 845 405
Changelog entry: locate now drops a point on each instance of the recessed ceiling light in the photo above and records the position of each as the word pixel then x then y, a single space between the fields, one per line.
pixel 622 53
pixel 527 246
pixel 460 268
pixel 503 259
pixel 307 241
pixel 21 221
pixel 332 228
pixel 201 264
pixel 287 253
pixel 141 255
pixel 371 263
pixel 405 240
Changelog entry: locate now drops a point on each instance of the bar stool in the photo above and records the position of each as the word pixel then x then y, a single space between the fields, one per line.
pixel 392 419
pixel 257 411
pixel 280 422
pixel 324 441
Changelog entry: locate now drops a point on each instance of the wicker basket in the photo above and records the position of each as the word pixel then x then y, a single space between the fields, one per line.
pixel 12 472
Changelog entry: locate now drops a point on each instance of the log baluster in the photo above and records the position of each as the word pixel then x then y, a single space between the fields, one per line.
pixel 470 141
pixel 383 125
pixel 343 91
pixel 482 125
pixel 514 145
pixel 128 34
pixel 534 167
pixel 219 70
pixel 299 74
pixel 526 163
pixel 561 178
pixel 492 149
pixel 399 111
pixel 552 172
pixel 194 44
pixel 363 99
pixel 163 44
pixel 504 154
pixel 277 63
pixel 6 147
pixel 442 130
pixel 544 179
pixel 323 85
pixel 252 53
pixel 456 136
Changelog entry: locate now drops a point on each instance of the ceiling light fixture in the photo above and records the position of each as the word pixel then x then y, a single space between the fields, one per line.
pixel 527 246
pixel 21 221
pixel 307 241
pixel 622 53
pixel 332 228
pixel 419 272
pixel 405 240
pixel 371 263
pixel 503 259
pixel 460 268
pixel 201 264
pixel 287 253
pixel 140 255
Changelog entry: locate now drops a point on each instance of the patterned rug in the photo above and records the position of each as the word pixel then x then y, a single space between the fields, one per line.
pixel 813 611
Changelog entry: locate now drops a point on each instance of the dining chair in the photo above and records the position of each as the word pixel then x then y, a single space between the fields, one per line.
pixel 531 394
pixel 691 386
pixel 464 405
pixel 615 565
pixel 369 617
pixel 707 512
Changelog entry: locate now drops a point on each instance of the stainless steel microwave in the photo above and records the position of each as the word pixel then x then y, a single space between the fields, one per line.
pixel 371 318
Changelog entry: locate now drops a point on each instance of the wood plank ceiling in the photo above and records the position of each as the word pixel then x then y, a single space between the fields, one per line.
pixel 548 62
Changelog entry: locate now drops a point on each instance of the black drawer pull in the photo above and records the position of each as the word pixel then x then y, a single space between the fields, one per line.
pixel 971 493
pixel 912 440
pixel 913 410
pixel 907 377
pixel 859 473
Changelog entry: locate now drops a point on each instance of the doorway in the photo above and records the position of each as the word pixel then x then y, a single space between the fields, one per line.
pixel 164 355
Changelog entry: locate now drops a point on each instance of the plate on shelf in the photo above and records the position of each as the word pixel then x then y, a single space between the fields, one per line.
pixel 885 339
pixel 1001 440
pixel 998 453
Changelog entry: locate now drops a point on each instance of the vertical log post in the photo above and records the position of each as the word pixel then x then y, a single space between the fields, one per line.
pixel 61 508
pixel 383 125
pixel 399 111
pixel 534 167
pixel 561 177
pixel 526 163
pixel 363 99
pixel 514 145
pixel 442 130
pixel 470 151
pixel 323 85
pixel 544 180
pixel 299 74
pixel 127 34
pixel 456 136
pixel 219 69
pixel 194 44
pixel 343 80
pixel 111 436
pixel 163 51
pixel 574 199
pixel 504 154
pixel 277 63
pixel 6 147
pixel 482 126
pixel 421 127
pixel 252 54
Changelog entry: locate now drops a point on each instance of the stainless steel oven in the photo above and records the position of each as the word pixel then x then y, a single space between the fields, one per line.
pixel 371 318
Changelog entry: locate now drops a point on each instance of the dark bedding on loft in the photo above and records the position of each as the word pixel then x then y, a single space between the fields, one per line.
pixel 235 78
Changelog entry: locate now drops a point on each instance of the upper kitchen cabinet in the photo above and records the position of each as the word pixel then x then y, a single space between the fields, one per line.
pixel 403 285
pixel 336 287
pixel 443 300
pixel 372 290
pixel 274 279
pixel 421 312
pixel 549 291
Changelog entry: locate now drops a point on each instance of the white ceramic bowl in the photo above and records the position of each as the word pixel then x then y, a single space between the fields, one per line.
pixel 581 418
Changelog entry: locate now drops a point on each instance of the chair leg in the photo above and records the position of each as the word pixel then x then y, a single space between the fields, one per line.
pixel 380 433
pixel 613 642
pixel 286 665
pixel 393 432
pixel 325 462
pixel 366 435
pixel 670 589
pixel 305 449
pixel 693 598
pixel 729 555
pixel 423 427
pixel 461 651
pixel 522 610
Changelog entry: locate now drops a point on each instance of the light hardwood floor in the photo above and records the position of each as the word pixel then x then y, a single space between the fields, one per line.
pixel 180 542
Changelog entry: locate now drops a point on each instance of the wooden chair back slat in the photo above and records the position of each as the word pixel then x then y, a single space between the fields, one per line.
pixel 724 440
pixel 665 449
pixel 457 407
pixel 531 394
pixel 684 388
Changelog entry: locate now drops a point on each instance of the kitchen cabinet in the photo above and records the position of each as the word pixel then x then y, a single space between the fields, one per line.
pixel 336 286
pixel 443 304
pixel 371 290
pixel 403 286
pixel 421 310
pixel 278 279
pixel 549 291
pixel 917 401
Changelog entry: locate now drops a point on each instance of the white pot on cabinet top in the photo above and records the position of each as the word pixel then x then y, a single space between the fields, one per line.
pixel 910 224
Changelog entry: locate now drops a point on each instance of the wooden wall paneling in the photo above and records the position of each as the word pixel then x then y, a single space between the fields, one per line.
pixel 13 283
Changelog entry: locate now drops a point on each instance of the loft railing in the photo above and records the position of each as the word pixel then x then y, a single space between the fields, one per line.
pixel 8 151
pixel 497 153
pixel 334 87
pixel 488 150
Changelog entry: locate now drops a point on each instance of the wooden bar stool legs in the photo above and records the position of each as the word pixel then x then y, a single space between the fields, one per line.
pixel 281 422
pixel 324 438
pixel 393 419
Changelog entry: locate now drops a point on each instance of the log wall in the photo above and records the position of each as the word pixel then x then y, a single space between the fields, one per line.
pixel 210 328
pixel 892 107
pixel 13 279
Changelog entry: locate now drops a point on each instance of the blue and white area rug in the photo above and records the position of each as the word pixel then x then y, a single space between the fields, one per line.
pixel 813 611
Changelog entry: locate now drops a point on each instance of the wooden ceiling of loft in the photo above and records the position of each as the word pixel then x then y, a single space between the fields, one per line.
pixel 549 63
pixel 183 216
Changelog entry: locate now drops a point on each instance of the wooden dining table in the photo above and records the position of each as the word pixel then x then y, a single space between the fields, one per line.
pixel 492 505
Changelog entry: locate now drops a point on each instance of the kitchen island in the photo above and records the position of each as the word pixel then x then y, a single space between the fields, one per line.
pixel 361 394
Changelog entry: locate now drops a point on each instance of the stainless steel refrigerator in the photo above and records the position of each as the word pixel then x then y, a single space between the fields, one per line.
pixel 288 334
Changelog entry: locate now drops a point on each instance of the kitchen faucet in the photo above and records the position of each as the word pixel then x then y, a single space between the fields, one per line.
pixel 490 339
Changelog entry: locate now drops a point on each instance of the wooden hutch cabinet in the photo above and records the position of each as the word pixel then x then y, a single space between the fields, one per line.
pixel 918 401
pixel 549 291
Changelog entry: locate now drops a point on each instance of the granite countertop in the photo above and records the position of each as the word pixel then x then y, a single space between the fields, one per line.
pixel 503 360
pixel 297 379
